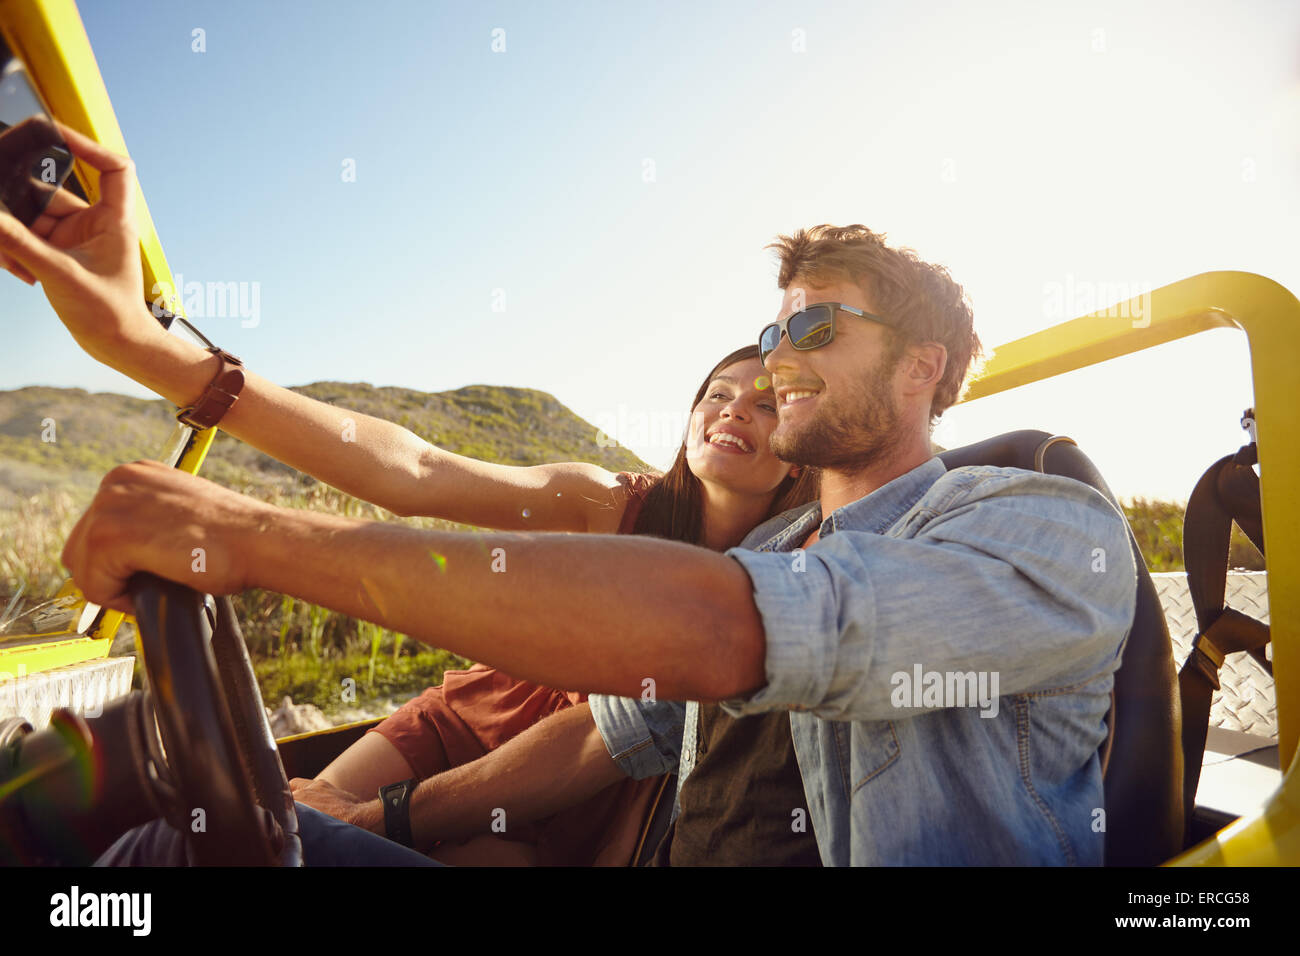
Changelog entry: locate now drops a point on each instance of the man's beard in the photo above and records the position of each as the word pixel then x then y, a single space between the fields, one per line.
pixel 849 435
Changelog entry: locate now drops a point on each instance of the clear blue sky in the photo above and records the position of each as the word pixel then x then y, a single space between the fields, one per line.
pixel 1027 146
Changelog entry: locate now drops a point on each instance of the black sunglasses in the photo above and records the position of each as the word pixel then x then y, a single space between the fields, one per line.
pixel 810 329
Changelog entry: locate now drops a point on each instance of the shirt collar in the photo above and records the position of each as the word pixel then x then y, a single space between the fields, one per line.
pixel 876 512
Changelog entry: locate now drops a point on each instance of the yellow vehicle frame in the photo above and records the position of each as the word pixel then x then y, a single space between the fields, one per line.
pixel 1270 316
pixel 49 37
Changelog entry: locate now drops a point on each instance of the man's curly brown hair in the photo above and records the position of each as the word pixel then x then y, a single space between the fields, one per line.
pixel 921 299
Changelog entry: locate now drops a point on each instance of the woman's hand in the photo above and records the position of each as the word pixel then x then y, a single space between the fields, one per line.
pixel 87 258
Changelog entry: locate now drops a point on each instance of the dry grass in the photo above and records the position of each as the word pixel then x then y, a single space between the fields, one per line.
pixel 298 649
pixel 31 539
pixel 1158 527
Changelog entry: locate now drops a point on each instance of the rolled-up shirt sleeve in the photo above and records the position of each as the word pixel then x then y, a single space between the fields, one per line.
pixel 643 736
pixel 1026 576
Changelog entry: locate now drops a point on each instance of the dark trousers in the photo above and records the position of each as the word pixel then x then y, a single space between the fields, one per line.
pixel 325 842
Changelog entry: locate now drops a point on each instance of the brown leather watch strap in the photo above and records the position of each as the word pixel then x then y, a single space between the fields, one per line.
pixel 220 395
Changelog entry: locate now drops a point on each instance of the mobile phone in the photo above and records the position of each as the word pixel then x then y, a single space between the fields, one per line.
pixel 34 160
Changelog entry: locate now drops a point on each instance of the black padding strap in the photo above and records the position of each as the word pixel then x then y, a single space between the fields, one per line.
pixel 1228 492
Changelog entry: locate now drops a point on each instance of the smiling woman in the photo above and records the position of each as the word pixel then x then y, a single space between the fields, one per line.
pixel 85 258
pixel 455 734
pixel 723 481
pixel 725 464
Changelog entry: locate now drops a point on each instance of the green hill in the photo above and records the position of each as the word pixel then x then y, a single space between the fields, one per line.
pixel 299 649
pixel 94 432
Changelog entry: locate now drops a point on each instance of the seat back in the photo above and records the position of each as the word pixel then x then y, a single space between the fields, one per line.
pixel 1142 759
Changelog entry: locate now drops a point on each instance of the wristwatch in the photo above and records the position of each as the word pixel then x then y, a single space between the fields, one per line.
pixel 220 395
pixel 396 798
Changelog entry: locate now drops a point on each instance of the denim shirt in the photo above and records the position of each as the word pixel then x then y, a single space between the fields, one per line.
pixel 882 635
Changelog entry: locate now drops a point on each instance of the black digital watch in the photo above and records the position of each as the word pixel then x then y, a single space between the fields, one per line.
pixel 396 798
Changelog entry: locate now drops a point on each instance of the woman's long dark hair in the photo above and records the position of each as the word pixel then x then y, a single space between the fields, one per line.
pixel 674 507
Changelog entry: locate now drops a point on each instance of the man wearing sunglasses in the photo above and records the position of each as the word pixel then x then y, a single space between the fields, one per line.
pixel 902 568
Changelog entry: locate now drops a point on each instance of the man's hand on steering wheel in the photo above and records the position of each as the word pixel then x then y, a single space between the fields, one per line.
pixel 149 517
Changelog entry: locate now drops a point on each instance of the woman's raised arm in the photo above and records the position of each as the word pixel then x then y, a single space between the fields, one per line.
pixel 87 259
pixel 381 462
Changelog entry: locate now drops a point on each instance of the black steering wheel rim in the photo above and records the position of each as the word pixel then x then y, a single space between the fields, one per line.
pixel 218 741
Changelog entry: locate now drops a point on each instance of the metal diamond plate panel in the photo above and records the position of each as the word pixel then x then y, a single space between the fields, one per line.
pixel 1246 700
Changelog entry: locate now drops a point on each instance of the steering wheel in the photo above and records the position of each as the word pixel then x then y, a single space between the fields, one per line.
pixel 219 747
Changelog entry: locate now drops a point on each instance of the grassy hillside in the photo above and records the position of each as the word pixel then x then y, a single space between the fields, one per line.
pixel 67 438
pixel 56 444
pixel 298 649
pixel 92 433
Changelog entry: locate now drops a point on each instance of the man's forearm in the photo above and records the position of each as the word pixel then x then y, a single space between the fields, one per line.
pixel 586 612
